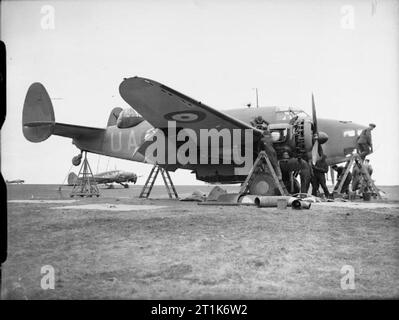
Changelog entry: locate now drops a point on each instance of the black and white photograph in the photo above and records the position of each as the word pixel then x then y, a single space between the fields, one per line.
pixel 200 150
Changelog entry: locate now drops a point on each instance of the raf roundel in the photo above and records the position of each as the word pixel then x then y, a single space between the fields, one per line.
pixel 185 116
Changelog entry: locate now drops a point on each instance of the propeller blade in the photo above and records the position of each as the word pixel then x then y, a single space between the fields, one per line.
pixel 320 149
pixel 315 152
pixel 314 116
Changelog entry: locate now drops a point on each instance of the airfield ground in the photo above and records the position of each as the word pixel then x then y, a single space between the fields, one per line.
pixel 168 249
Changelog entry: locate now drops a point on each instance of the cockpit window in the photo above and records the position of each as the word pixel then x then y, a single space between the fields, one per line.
pixel 301 114
pixel 286 115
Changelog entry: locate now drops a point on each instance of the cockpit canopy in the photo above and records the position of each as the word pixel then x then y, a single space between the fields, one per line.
pixel 128 118
pixel 283 114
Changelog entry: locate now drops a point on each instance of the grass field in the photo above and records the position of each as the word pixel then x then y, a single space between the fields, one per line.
pixel 170 249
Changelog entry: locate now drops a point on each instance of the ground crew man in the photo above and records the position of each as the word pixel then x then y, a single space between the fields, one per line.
pixel 288 165
pixel 286 172
pixel 260 123
pixel 266 144
pixel 320 168
pixel 364 142
pixel 345 186
pixel 305 173
pixel 356 176
pixel 368 167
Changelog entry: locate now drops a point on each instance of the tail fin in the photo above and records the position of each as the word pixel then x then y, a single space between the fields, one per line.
pixel 72 179
pixel 113 116
pixel 38 119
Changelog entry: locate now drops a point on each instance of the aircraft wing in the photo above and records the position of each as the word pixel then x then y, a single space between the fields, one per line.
pixel 159 104
pixel 104 180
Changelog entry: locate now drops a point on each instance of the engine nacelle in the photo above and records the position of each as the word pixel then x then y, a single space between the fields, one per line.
pixel 295 138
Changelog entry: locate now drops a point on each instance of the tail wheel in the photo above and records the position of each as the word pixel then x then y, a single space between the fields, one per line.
pixel 263 184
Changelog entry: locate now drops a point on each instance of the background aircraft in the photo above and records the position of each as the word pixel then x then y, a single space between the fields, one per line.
pixel 129 133
pixel 109 177
pixel 17 181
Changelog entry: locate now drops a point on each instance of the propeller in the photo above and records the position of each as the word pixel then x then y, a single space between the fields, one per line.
pixel 318 137
pixel 332 175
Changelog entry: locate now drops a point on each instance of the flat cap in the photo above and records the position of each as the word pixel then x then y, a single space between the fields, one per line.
pixel 372 125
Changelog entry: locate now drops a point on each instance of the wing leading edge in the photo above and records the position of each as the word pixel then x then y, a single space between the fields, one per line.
pixel 159 104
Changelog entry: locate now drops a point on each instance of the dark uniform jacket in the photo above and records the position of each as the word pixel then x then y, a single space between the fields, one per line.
pixel 348 179
pixel 365 137
pixel 320 167
pixel 261 125
pixel 266 144
pixel 293 164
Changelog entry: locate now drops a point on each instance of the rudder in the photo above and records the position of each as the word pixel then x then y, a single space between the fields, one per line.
pixel 38 118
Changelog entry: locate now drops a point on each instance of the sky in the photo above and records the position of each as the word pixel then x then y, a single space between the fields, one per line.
pixel 345 52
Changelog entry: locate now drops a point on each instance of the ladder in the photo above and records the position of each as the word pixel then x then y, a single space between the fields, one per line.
pixel 170 188
pixel 85 185
pixel 262 164
pixel 356 160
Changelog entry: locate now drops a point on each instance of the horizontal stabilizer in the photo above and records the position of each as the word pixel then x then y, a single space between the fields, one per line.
pixel 73 131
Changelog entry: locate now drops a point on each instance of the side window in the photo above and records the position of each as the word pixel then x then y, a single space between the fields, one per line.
pixel 349 133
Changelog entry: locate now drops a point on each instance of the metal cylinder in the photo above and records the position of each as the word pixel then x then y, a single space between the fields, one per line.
pixel 282 204
pixel 249 198
pixel 299 204
pixel 271 201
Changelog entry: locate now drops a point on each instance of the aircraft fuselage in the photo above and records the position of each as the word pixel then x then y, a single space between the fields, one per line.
pixel 127 143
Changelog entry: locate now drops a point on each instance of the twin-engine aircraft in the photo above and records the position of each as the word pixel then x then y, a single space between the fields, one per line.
pixel 157 110
pixel 108 178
